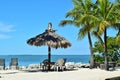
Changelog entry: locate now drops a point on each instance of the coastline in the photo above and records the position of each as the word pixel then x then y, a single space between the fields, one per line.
pixel 75 71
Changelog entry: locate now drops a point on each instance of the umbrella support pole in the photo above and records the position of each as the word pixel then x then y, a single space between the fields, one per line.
pixel 49 57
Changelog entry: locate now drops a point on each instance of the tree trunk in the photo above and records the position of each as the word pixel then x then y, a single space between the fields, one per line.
pixel 49 57
pixel 106 53
pixel 91 52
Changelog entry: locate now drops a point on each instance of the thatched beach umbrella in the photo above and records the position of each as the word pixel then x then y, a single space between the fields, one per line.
pixel 51 39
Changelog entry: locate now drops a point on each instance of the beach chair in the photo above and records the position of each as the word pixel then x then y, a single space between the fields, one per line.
pixel 60 64
pixel 44 65
pixel 14 63
pixel 2 64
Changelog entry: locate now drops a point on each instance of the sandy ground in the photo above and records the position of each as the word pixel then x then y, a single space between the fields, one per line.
pixel 80 74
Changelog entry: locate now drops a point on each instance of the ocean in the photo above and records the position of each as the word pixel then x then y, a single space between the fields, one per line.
pixel 25 60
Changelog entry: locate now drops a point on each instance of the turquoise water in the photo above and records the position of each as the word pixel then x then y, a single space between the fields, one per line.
pixel 25 60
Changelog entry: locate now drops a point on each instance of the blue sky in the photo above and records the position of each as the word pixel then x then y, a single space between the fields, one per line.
pixel 23 19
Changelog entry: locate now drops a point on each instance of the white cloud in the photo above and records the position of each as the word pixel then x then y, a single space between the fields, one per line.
pixel 6 27
pixel 3 36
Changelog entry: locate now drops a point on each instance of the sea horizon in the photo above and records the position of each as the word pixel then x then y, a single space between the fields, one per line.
pixel 26 60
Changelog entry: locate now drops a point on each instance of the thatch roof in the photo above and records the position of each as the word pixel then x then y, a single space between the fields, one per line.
pixel 49 38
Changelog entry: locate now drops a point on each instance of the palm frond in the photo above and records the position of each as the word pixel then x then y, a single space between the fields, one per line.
pixel 95 33
pixel 82 32
pixel 110 9
pixel 116 26
pixel 66 22
pixel 101 28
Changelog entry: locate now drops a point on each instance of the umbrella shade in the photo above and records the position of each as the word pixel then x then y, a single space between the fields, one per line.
pixel 49 38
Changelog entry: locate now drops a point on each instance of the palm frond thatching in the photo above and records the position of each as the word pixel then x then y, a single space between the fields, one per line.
pixel 49 38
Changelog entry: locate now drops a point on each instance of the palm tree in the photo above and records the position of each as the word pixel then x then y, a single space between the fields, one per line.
pixel 106 12
pixel 83 16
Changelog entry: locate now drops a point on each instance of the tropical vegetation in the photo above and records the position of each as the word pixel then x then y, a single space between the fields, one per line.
pixel 113 51
pixel 83 16
pixel 95 17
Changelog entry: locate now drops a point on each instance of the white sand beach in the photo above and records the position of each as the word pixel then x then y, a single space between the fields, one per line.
pixel 80 74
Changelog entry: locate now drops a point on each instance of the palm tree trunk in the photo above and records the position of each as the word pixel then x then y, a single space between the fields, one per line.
pixel 49 57
pixel 91 51
pixel 106 53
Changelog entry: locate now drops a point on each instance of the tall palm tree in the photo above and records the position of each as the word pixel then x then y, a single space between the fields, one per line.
pixel 106 12
pixel 83 16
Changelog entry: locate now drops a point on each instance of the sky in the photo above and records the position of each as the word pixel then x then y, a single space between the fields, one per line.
pixel 21 20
